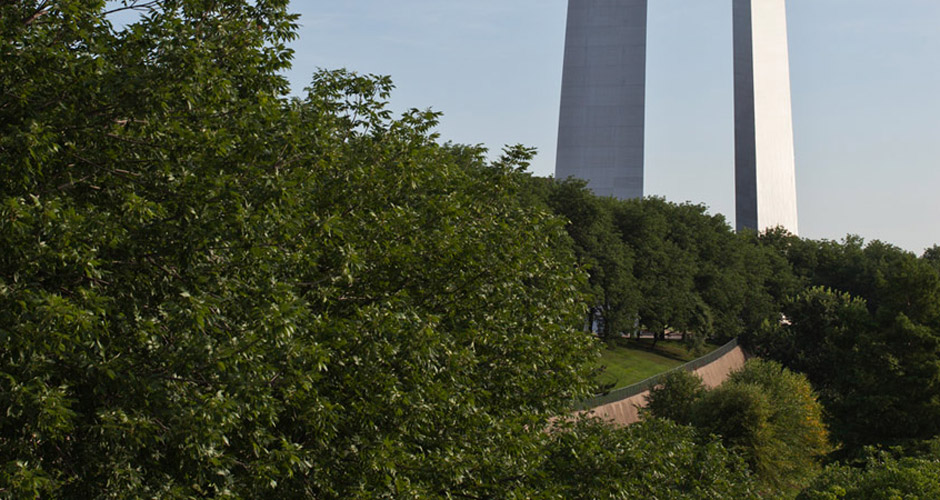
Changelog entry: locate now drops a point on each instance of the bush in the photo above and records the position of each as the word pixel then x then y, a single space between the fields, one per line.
pixel 676 397
pixel 764 412
pixel 650 459
pixel 881 478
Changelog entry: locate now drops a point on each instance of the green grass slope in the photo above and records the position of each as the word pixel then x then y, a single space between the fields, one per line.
pixel 629 361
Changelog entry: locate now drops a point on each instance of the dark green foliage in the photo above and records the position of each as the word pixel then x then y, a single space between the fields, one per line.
pixel 676 398
pixel 664 272
pixel 889 279
pixel 867 336
pixel 932 256
pixel 881 478
pixel 695 274
pixel 208 289
pixel 765 413
pixel 651 459
pixel 660 265
pixel 879 381
pixel 211 289
pixel 614 293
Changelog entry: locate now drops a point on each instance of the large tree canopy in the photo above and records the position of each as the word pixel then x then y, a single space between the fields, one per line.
pixel 655 265
pixel 866 331
pixel 208 288
pixel 651 459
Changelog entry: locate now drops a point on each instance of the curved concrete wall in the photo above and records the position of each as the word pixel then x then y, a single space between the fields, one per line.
pixel 627 411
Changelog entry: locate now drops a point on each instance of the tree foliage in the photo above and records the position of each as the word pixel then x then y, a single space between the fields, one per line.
pixel 882 477
pixel 676 398
pixel 613 292
pixel 658 265
pixel 211 289
pixel 866 334
pixel 766 413
pixel 651 459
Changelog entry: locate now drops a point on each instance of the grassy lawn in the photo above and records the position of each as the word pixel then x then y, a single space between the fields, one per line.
pixel 630 361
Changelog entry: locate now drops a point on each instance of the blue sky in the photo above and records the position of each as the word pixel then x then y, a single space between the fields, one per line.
pixel 865 78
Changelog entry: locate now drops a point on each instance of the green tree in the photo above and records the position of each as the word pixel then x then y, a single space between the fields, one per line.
pixel 882 478
pixel 666 265
pixel 651 459
pixel 766 413
pixel 787 451
pixel 770 276
pixel 932 256
pixel 663 271
pixel 694 274
pixel 892 281
pixel 613 290
pixel 676 398
pixel 209 289
pixel 879 382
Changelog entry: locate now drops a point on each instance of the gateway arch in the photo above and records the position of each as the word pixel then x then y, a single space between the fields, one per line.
pixel 601 119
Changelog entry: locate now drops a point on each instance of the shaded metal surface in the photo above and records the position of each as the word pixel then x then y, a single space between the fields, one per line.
pixel 765 173
pixel 603 96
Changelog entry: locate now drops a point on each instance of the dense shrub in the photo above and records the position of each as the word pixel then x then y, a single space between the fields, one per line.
pixel 651 459
pixel 676 398
pixel 767 414
pixel 881 478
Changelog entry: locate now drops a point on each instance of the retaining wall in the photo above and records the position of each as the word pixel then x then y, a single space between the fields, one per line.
pixel 621 406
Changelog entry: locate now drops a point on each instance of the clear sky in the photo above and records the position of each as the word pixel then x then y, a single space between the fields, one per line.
pixel 865 78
